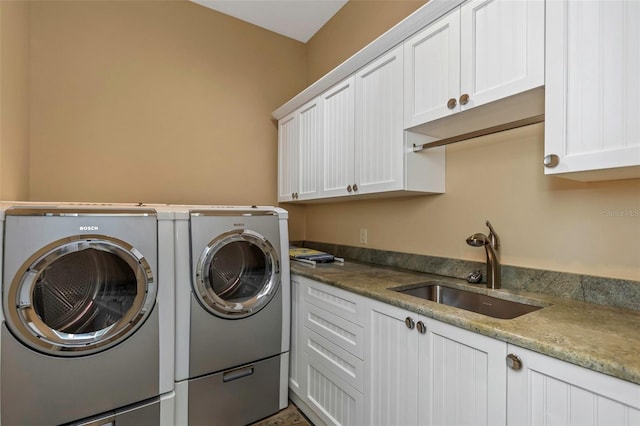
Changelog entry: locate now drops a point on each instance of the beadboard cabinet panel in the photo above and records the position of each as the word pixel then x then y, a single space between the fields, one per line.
pixel 338 139
pixel 548 391
pixel 391 379
pixel 592 109
pixel 432 70
pixel 288 145
pixel 501 49
pixel 464 375
pixel 299 143
pixel 482 52
pixel 379 147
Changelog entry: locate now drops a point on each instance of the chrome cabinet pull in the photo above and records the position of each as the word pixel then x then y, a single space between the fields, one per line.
pixel 408 321
pixel 421 327
pixel 451 103
pixel 464 99
pixel 355 187
pixel 349 189
pixel 514 362
pixel 551 160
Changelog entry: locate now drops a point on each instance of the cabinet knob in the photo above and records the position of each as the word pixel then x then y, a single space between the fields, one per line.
pixel 451 103
pixel 409 323
pixel 355 187
pixel 421 327
pixel 514 362
pixel 464 99
pixel 349 189
pixel 551 160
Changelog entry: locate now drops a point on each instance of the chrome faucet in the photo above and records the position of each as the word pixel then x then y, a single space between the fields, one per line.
pixel 490 244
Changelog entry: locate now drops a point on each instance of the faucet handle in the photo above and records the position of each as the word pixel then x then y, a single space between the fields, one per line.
pixel 493 236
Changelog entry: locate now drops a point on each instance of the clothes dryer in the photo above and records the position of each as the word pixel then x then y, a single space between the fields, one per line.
pixel 232 314
pixel 83 304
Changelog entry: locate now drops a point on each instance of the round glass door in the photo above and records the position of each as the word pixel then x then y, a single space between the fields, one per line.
pixel 81 295
pixel 237 274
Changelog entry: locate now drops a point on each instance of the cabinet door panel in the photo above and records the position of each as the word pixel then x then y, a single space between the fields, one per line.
pixel 333 400
pixel 338 139
pixel 287 157
pixel 432 71
pixel 296 344
pixel 593 60
pixel 464 378
pixel 310 129
pixel 378 125
pixel 392 387
pixel 502 49
pixel 548 391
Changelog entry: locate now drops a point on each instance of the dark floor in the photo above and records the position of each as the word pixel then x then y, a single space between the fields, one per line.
pixel 290 416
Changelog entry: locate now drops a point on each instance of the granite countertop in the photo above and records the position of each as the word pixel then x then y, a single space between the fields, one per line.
pixel 598 337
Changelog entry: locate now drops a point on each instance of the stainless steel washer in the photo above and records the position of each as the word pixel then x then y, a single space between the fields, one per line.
pixel 232 314
pixel 81 329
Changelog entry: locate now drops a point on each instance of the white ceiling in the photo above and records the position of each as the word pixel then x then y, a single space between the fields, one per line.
pixel 297 19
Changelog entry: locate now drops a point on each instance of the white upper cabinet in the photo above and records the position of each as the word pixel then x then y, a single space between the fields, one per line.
pixel 363 134
pixel 299 143
pixel 379 147
pixel 481 52
pixel 337 159
pixel 592 129
pixel 432 71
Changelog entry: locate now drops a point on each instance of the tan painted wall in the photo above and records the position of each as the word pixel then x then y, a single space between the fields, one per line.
pixel 356 24
pixel 162 101
pixel 14 100
pixel 544 222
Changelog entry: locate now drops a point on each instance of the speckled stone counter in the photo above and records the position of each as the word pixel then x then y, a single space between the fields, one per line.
pixel 598 337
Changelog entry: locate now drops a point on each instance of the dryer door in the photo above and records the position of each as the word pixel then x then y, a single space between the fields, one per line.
pixel 80 295
pixel 237 274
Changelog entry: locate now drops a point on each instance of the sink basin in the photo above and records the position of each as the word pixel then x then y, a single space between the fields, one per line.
pixel 475 302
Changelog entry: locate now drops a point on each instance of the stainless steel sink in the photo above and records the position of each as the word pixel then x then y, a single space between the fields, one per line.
pixel 467 300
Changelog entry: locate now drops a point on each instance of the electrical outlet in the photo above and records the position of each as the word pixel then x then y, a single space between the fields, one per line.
pixel 363 235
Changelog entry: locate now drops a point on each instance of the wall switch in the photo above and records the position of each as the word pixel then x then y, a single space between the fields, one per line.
pixel 363 235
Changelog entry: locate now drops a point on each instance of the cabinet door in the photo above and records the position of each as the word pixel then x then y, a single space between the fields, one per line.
pixel 547 391
pixel 288 157
pixel 592 88
pixel 310 139
pixel 501 49
pixel 391 366
pixel 379 134
pixel 296 372
pixel 463 378
pixel 432 71
pixel 299 139
pixel 338 139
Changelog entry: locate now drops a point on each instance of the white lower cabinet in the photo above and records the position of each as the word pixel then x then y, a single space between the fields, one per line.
pixel 329 350
pixel 420 371
pixel 357 361
pixel 548 391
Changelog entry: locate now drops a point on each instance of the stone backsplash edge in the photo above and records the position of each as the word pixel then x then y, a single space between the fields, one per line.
pixel 601 290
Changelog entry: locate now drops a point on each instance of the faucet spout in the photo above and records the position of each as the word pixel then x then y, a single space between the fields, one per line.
pixel 490 244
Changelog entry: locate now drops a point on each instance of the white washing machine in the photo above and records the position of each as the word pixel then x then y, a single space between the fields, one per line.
pixel 232 314
pixel 87 333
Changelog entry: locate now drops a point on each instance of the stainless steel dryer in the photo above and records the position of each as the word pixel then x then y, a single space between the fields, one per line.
pixel 232 314
pixel 80 340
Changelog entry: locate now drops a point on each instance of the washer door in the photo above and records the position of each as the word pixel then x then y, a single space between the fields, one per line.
pixel 80 295
pixel 237 274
